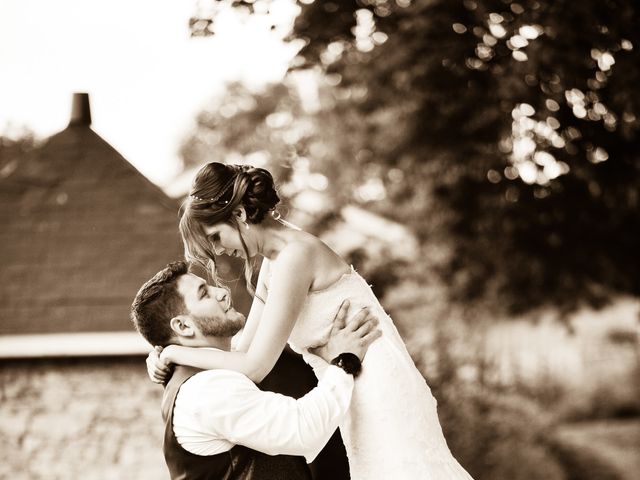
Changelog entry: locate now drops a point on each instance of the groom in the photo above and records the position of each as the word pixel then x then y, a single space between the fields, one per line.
pixel 218 424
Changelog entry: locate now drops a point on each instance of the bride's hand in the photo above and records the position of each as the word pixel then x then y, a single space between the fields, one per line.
pixel 157 367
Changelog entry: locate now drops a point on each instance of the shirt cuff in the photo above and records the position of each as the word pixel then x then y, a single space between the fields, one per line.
pixel 336 377
pixel 316 363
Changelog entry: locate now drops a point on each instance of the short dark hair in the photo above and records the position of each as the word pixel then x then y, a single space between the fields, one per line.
pixel 157 302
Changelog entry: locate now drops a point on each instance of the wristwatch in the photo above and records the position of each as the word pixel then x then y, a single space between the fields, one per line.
pixel 349 362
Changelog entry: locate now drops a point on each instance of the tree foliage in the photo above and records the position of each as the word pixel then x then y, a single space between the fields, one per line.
pixel 505 132
pixel 14 149
pixel 244 123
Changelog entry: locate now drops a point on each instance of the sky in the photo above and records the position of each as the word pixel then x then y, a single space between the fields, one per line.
pixel 146 77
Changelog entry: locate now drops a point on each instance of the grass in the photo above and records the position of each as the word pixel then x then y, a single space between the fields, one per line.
pixel 600 450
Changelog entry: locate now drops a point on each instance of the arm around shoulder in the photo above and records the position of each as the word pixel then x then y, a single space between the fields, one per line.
pixel 290 282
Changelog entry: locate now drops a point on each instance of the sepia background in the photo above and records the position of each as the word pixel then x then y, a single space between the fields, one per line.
pixel 477 161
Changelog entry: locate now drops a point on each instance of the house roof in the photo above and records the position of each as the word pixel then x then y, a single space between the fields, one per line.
pixel 82 229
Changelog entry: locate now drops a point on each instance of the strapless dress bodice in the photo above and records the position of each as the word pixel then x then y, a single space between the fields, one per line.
pixel 391 429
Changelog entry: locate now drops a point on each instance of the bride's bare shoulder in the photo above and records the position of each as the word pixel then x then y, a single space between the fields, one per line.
pixel 305 242
pixel 325 262
pixel 303 246
pixel 310 250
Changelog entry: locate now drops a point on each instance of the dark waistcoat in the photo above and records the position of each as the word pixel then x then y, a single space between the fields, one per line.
pixel 238 463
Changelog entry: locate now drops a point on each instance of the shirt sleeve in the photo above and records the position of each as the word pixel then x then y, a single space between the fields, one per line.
pixel 317 363
pixel 232 407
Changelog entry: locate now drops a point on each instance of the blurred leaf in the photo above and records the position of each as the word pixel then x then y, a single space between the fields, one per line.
pixel 505 133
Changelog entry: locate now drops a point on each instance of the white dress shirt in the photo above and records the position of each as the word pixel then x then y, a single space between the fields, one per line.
pixel 218 409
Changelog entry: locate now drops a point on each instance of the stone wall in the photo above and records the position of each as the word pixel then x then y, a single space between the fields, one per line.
pixel 82 418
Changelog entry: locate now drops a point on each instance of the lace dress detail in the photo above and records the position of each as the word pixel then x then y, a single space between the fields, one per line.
pixel 391 430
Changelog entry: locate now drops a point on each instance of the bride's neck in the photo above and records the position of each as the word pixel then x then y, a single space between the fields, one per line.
pixel 274 237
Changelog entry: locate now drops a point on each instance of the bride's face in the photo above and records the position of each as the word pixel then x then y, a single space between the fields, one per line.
pixel 225 239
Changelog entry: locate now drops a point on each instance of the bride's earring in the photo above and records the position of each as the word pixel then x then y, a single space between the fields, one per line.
pixel 278 218
pixel 246 225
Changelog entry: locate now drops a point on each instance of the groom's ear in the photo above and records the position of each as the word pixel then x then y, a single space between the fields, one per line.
pixel 182 326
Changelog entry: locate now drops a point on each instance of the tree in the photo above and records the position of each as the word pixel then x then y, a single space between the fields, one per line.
pixel 504 132
pixel 14 149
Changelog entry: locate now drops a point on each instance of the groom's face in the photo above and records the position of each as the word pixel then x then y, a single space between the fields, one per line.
pixel 210 307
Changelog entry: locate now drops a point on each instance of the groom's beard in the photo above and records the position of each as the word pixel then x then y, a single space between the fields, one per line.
pixel 219 327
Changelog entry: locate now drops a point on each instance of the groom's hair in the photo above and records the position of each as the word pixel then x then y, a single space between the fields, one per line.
pixel 157 302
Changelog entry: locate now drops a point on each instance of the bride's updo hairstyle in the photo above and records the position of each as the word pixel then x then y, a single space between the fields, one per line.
pixel 217 191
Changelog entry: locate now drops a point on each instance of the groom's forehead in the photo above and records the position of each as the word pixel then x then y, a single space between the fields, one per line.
pixel 189 283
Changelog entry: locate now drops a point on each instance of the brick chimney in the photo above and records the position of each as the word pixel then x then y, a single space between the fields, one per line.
pixel 80 110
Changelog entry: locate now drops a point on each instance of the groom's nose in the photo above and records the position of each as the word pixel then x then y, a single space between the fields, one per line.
pixel 220 294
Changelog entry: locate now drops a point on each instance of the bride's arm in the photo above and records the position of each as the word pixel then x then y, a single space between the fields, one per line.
pixel 290 282
pixel 255 313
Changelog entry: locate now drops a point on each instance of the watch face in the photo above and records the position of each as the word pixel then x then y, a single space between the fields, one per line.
pixel 349 362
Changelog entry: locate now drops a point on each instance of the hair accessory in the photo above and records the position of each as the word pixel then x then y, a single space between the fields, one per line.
pixel 223 190
pixel 200 199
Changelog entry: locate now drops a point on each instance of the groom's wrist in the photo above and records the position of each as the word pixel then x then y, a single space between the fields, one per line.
pixel 349 362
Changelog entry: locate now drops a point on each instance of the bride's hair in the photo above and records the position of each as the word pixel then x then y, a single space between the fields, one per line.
pixel 217 191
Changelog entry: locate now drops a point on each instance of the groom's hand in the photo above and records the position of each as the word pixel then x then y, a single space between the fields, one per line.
pixel 354 336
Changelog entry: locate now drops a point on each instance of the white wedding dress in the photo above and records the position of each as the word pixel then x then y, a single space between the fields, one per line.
pixel 391 430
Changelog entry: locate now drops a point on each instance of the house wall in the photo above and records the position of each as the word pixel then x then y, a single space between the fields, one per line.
pixel 80 418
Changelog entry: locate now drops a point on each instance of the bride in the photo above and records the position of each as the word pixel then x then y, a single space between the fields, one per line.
pixel 391 429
